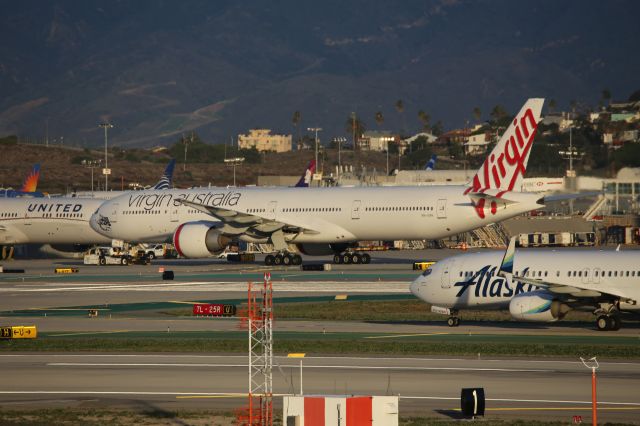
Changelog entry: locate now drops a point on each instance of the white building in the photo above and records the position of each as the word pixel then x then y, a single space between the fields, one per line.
pixel 263 140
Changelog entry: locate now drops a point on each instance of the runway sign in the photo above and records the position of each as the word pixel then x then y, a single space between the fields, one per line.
pixel 214 309
pixel 19 332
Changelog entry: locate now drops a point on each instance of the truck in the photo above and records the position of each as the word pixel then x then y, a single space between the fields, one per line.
pixel 106 256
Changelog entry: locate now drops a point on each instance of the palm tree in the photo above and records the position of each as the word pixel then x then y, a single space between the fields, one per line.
pixel 477 113
pixel 296 120
pixel 379 118
pixel 400 108
pixel 552 105
pixel 424 119
pixel 355 127
pixel 606 95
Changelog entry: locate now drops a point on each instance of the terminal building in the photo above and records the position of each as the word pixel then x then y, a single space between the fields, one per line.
pixel 263 141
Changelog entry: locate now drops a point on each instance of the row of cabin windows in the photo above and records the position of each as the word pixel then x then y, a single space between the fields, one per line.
pixel 130 212
pixel 398 209
pixel 311 209
pixel 581 273
pixel 9 214
pixel 59 215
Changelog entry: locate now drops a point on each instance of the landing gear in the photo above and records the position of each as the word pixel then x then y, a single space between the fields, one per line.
pixel 349 257
pixel 453 321
pixel 608 322
pixel 284 258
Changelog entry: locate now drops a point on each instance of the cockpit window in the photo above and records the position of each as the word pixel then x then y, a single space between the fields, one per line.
pixel 426 272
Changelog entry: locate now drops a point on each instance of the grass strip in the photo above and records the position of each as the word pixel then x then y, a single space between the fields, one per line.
pixel 324 346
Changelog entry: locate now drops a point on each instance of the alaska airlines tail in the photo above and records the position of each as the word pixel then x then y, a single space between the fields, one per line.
pixel 431 164
pixel 31 182
pixel 504 168
pixel 167 178
pixel 305 179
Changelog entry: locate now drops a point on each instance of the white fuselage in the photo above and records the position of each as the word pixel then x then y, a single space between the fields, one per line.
pixel 323 215
pixel 59 220
pixel 470 281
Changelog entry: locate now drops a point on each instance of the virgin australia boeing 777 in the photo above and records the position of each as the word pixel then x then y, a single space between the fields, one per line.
pixel 329 220
pixel 535 285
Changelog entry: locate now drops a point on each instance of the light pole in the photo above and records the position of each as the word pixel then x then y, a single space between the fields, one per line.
pixel 106 172
pixel 339 140
pixel 91 164
pixel 316 130
pixel 592 364
pixel 301 357
pixel 234 162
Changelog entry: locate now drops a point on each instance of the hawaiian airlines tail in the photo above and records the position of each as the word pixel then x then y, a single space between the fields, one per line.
pixel 431 164
pixel 31 182
pixel 167 178
pixel 305 179
pixel 504 168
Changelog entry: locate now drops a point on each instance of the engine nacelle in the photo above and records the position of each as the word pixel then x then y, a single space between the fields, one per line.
pixel 199 239
pixel 537 305
pixel 316 249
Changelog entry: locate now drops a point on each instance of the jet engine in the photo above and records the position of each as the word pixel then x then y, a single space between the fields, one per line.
pixel 199 239
pixel 316 249
pixel 537 306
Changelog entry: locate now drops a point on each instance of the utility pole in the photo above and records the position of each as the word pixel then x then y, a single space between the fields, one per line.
pixel 316 130
pixel 106 171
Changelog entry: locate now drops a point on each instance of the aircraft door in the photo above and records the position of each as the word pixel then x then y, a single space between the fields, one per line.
pixel 446 277
pixel 585 276
pixel 173 212
pixel 355 209
pixel 271 210
pixel 596 275
pixel 441 208
pixel 113 217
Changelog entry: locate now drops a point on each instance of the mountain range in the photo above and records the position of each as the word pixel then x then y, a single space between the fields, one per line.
pixel 160 69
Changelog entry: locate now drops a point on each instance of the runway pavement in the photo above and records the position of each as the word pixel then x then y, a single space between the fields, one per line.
pixel 516 388
pixel 522 388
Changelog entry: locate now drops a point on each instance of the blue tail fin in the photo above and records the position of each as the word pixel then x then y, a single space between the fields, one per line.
pixel 431 164
pixel 305 179
pixel 167 178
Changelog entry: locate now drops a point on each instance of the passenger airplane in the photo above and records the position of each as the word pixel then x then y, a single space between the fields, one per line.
pixel 55 220
pixel 202 222
pixel 535 285
pixel 28 188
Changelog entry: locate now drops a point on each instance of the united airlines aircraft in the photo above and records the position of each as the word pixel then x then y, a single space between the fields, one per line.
pixel 202 222
pixel 535 285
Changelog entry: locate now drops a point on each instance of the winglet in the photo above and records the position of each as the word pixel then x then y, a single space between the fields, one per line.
pixel 506 267
pixel 167 178
pixel 432 163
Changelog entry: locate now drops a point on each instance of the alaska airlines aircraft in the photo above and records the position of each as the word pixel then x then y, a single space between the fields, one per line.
pixel 28 188
pixel 535 285
pixel 329 220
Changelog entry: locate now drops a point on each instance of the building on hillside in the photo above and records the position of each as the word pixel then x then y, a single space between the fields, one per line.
pixel 562 119
pixel 263 140
pixel 477 144
pixel 377 140
pixel 454 136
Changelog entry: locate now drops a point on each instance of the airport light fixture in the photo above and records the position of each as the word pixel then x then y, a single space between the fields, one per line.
pixel 106 171
pixel 234 162
pixel 316 130
pixel 91 164
pixel 339 141
pixel 387 139
pixel 300 356
pixel 592 364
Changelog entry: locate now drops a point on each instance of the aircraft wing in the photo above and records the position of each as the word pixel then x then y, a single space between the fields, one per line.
pixel 576 290
pixel 236 222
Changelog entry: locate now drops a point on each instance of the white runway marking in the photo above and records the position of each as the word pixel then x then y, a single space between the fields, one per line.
pixel 342 367
pixel 244 395
pixel 303 287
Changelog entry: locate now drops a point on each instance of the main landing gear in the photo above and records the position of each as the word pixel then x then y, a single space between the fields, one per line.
pixel 608 317
pixel 283 258
pixel 608 322
pixel 453 321
pixel 349 257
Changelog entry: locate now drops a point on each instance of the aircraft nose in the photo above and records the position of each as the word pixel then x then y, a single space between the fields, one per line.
pixel 415 286
pixel 100 223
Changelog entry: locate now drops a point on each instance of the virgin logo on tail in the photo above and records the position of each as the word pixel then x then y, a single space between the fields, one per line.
pixel 504 168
